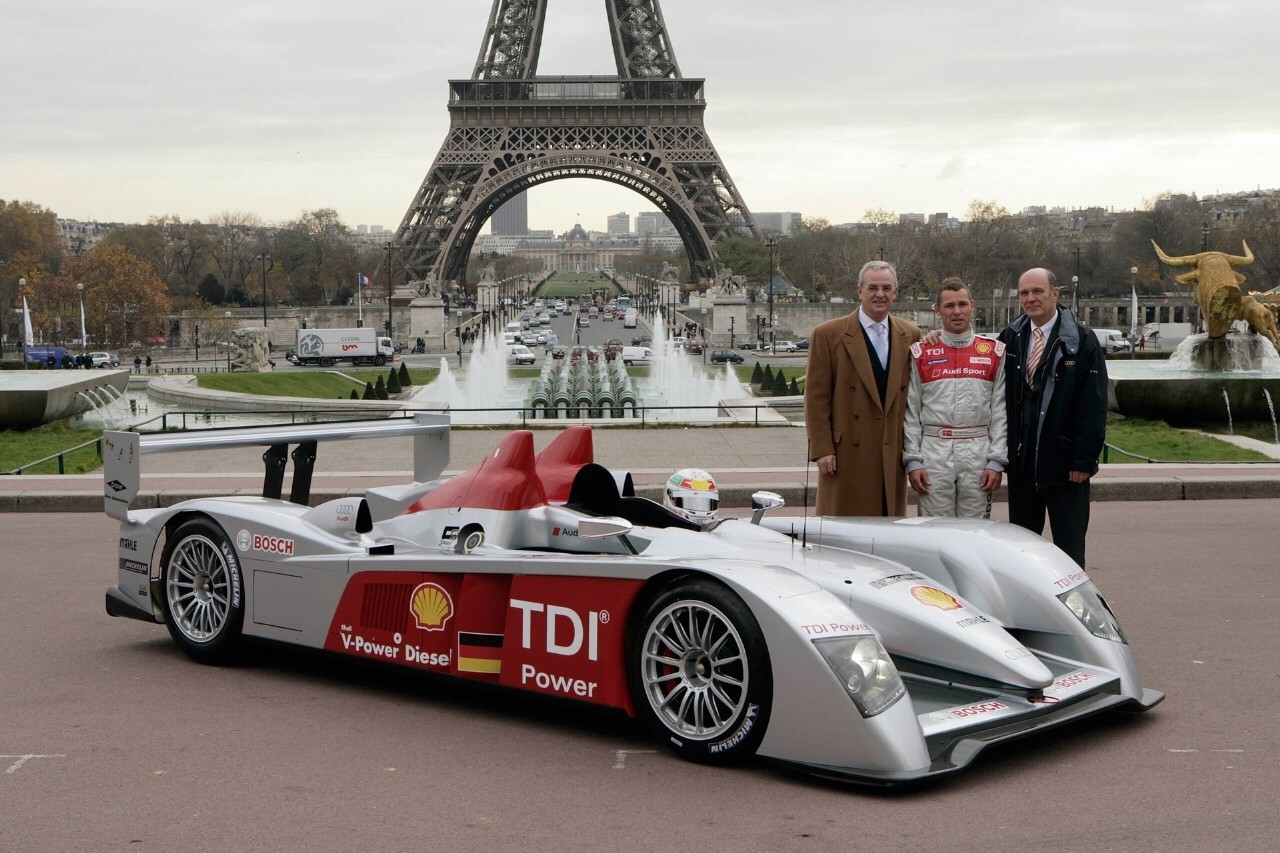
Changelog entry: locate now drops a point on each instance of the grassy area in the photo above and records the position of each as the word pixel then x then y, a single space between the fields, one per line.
pixel 571 285
pixel 318 384
pixel 19 447
pixel 1157 440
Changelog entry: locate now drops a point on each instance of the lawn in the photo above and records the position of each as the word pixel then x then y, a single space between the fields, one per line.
pixel 323 385
pixel 19 447
pixel 1161 442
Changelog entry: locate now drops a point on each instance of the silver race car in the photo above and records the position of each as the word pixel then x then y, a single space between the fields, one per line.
pixel 882 651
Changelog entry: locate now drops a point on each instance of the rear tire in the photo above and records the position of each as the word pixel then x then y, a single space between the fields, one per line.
pixel 203 592
pixel 700 673
pixel 380 360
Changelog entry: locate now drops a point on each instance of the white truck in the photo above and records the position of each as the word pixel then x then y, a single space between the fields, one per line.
pixel 629 318
pixel 328 346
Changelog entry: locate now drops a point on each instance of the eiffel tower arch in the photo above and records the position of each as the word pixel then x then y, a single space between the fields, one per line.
pixel 510 130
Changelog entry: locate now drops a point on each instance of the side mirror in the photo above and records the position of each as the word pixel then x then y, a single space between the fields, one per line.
pixel 606 526
pixel 762 502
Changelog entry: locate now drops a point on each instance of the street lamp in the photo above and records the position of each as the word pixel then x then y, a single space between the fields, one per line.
pixel 1204 236
pixel 26 320
pixel 772 243
pixel 1075 296
pixel 1133 322
pixel 389 319
pixel 3 322
pixel 228 317
pixel 264 257
pixel 83 343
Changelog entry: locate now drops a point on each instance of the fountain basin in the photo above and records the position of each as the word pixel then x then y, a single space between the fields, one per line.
pixel 1193 400
pixel 29 398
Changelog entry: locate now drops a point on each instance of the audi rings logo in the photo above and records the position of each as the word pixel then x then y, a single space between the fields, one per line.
pixel 243 540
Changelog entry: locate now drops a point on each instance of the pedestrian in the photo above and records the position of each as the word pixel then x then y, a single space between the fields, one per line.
pixel 1056 393
pixel 137 364
pixel 1142 342
pixel 955 445
pixel 148 362
pixel 855 399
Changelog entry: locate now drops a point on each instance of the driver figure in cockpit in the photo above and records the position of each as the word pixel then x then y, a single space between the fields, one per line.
pixel 692 493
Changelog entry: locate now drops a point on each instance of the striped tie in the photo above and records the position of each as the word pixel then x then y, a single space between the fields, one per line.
pixel 1037 352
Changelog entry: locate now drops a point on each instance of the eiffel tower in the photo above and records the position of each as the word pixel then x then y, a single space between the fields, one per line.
pixel 510 130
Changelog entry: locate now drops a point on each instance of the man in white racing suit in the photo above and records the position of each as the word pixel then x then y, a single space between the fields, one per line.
pixel 956 438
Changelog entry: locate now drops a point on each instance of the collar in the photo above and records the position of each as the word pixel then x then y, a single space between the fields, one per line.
pixel 1047 328
pixel 958 340
pixel 867 322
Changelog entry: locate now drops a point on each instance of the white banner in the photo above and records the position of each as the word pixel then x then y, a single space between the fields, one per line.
pixel 28 337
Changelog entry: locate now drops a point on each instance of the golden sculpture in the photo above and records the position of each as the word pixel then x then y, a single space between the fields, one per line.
pixel 1218 294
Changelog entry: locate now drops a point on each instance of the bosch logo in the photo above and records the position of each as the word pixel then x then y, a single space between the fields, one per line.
pixel 981 708
pixel 272 544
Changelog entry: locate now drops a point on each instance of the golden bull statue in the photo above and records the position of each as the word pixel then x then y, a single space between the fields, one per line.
pixel 1218 294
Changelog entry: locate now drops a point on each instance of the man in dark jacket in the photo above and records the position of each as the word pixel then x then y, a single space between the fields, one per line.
pixel 1056 395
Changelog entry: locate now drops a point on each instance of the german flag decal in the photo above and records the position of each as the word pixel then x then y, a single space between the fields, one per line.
pixel 479 652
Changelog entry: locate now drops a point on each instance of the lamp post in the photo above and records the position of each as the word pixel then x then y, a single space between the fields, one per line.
pixel 772 243
pixel 26 320
pixel 264 257
pixel 1134 331
pixel 83 343
pixel 1204 236
pixel 1075 296
pixel 228 318
pixel 389 318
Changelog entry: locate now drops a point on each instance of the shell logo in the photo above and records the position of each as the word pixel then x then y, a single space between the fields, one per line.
pixel 935 598
pixel 983 348
pixel 431 606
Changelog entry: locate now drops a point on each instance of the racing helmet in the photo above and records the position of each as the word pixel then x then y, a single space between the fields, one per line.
pixel 692 493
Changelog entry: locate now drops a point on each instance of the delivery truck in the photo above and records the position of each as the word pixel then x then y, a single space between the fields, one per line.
pixel 326 347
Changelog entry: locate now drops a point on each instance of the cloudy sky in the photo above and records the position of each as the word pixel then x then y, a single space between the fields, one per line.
pixel 119 110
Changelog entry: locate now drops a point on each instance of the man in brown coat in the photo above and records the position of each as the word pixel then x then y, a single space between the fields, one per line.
pixel 855 399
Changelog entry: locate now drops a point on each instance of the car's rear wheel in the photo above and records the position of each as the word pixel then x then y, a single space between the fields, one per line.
pixel 203 598
pixel 700 673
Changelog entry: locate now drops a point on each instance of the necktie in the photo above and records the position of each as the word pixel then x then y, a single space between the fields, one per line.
pixel 881 341
pixel 1037 352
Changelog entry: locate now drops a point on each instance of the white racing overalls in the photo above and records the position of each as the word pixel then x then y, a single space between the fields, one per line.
pixel 956 422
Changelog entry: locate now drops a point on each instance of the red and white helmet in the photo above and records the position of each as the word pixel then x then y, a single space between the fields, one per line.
pixel 691 492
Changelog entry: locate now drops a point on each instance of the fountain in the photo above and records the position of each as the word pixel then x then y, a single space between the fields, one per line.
pixel 584 389
pixel 32 397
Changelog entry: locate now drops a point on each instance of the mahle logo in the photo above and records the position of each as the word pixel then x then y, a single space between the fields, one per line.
pixel 310 345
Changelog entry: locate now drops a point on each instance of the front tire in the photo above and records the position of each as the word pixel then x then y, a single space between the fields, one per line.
pixel 203 596
pixel 700 673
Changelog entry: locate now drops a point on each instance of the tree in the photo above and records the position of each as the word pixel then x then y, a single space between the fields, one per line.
pixel 175 249
pixel 30 247
pixel 210 290
pixel 124 299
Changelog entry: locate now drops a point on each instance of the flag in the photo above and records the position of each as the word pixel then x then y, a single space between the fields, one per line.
pixel 364 280
pixel 28 337
pixel 1133 321
pixel 84 339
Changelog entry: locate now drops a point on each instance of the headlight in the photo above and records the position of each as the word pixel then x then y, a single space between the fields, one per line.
pixel 1091 609
pixel 865 670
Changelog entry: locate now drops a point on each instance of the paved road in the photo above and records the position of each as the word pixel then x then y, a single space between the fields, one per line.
pixel 138 749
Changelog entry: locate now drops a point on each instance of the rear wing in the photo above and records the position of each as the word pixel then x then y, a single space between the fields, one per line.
pixel 123 451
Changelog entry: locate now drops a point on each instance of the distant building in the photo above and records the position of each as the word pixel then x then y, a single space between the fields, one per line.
pixel 512 217
pixel 650 223
pixel 784 224
pixel 619 225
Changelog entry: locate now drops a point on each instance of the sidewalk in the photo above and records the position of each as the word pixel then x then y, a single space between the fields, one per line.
pixel 742 460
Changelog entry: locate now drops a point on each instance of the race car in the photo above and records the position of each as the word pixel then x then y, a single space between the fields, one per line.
pixel 784 638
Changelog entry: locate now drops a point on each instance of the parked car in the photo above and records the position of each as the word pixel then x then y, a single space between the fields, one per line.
pixel 802 344
pixel 784 346
pixel 750 345
pixel 104 359
pixel 723 356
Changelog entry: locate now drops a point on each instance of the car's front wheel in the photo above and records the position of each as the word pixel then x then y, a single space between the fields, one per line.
pixel 700 673
pixel 203 598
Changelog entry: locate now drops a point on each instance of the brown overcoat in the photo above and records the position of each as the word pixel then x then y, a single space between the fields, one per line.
pixel 845 417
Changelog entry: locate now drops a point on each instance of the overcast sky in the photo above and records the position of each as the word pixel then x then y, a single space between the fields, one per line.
pixel 119 110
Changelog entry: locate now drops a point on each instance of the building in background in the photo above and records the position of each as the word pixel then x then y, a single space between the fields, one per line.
pixel 783 224
pixel 651 223
pixel 619 225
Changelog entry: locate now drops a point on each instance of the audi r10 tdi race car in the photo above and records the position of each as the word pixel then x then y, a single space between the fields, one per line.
pixel 876 650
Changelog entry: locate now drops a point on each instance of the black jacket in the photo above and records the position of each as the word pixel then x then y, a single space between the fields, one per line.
pixel 1059 425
